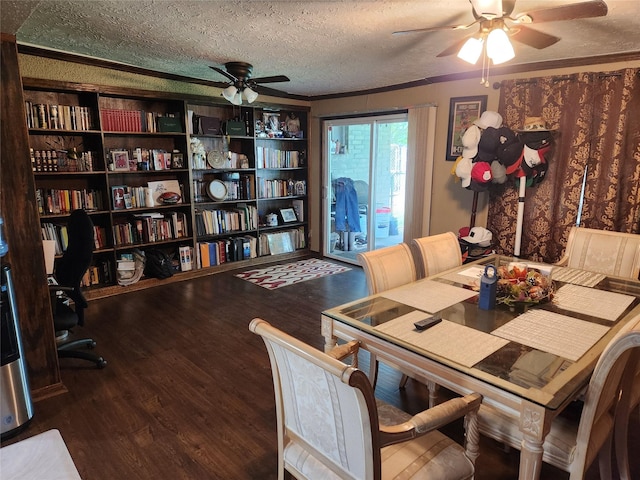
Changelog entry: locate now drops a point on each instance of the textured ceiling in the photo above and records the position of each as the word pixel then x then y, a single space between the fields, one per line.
pixel 324 47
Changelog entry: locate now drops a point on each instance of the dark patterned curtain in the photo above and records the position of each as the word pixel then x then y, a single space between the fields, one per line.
pixel 597 128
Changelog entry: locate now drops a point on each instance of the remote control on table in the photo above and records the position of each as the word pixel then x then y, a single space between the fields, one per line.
pixel 427 323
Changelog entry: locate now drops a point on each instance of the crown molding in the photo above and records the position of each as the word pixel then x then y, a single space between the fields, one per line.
pixel 496 71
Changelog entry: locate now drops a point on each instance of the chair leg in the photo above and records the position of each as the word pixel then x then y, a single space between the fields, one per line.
pixel 83 342
pixel 403 381
pixel 433 393
pixel 92 357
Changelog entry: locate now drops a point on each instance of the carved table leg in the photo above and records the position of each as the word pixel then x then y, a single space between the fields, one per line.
pixel 534 426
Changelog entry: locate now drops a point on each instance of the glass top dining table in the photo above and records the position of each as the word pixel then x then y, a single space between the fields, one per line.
pixel 528 359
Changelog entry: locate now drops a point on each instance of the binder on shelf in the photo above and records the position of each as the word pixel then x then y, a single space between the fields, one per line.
pixel 169 124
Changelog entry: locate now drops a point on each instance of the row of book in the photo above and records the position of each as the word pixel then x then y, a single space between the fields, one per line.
pixel 272 158
pixel 284 241
pixel 278 187
pixel 53 201
pixel 100 273
pixel 220 221
pixel 58 117
pixel 60 161
pixel 239 187
pixel 217 252
pixel 151 227
pixel 125 196
pixel 58 233
pixel 117 120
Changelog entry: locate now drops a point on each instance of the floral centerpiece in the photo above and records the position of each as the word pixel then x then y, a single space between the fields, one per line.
pixel 520 284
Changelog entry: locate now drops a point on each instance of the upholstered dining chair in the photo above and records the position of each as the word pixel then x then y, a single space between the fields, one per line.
pixel 629 403
pixel 328 425
pixel 384 269
pixel 573 445
pixel 612 253
pixel 437 253
pixel 389 267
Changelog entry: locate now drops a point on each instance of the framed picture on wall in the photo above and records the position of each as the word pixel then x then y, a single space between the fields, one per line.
pixel 462 112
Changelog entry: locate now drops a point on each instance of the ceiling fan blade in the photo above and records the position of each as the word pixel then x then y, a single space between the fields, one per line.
pixel 532 37
pixel 272 79
pixel 454 48
pixel 264 90
pixel 435 29
pixel 226 74
pixel 565 12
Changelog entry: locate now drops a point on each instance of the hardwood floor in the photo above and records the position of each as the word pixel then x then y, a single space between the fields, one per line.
pixel 187 392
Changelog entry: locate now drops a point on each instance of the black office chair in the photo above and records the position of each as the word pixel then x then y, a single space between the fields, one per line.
pixel 68 273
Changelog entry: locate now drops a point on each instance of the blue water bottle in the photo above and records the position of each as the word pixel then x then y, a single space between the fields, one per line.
pixel 488 285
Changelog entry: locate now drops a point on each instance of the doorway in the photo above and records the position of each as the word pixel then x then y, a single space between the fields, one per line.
pixel 364 181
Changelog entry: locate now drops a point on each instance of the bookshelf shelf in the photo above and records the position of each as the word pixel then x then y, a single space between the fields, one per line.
pixel 67 174
pixel 114 133
pixel 58 131
pixel 113 144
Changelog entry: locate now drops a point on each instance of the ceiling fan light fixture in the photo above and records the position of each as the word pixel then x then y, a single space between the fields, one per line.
pixel 499 48
pixel 237 98
pixel 229 93
pixel 249 94
pixel 471 50
pixel 488 8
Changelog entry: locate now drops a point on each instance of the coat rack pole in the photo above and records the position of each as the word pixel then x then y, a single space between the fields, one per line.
pixel 523 186
pixel 474 207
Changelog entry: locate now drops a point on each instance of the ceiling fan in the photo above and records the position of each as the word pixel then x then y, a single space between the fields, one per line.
pixel 242 85
pixel 497 15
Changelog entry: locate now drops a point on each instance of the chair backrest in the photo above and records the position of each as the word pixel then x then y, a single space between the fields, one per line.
pixel 598 414
pixel 612 253
pixel 326 412
pixel 388 267
pixel 362 191
pixel 77 258
pixel 438 253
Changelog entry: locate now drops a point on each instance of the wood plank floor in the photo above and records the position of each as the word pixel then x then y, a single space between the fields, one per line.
pixel 187 393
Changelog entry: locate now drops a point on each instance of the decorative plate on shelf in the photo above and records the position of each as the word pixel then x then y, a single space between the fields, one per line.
pixel 216 159
pixel 217 190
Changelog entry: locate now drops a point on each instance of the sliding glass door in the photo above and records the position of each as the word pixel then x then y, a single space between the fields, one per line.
pixel 365 160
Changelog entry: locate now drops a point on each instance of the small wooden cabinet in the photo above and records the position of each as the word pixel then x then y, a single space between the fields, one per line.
pixel 235 178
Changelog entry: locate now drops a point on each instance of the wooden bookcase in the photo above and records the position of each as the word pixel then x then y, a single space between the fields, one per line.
pixel 238 196
pixel 240 174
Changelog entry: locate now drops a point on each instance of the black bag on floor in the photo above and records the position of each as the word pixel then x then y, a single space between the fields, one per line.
pixel 158 264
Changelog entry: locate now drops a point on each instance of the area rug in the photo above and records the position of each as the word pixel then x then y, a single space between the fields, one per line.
pixel 278 276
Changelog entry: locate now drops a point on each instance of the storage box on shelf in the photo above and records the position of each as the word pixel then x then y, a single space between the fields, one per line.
pixel 223 171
